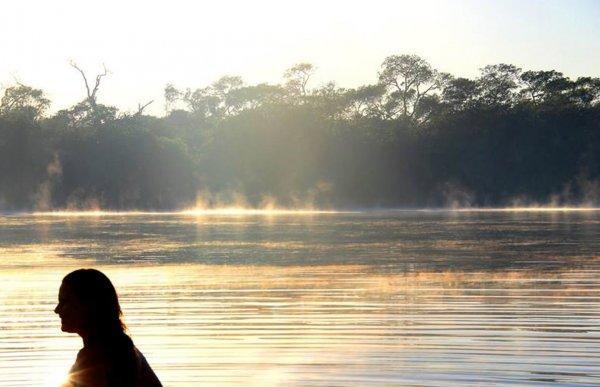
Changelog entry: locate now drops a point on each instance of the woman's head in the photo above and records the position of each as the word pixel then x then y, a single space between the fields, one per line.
pixel 88 303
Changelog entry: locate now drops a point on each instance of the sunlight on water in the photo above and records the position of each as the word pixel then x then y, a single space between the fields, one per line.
pixel 253 211
pixel 327 300
pixel 265 325
pixel 66 213
pixel 192 212
pixel 241 211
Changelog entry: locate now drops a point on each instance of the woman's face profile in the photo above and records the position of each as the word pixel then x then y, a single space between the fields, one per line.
pixel 70 310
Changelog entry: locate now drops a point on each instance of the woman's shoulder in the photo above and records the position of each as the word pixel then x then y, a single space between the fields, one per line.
pixel 146 376
pixel 89 369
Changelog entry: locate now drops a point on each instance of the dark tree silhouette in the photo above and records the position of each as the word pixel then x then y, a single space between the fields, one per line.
pixel 419 137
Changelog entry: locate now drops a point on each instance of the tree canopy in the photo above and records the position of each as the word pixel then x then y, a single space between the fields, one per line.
pixel 417 138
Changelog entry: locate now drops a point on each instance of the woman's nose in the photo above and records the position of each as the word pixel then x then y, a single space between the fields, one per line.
pixel 56 309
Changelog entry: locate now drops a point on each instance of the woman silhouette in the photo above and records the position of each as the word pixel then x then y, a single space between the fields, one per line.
pixel 88 305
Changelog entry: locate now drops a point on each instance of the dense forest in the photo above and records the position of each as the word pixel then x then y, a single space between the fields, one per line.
pixel 417 138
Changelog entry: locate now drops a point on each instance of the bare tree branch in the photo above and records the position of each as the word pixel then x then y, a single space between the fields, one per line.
pixel 142 107
pixel 91 94
pixel 87 86
pixel 98 78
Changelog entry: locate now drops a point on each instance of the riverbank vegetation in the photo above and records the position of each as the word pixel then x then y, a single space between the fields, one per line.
pixel 417 138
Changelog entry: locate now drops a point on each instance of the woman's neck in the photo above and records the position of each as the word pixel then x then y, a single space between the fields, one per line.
pixel 98 337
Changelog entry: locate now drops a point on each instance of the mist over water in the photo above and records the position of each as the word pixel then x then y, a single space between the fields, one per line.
pixel 402 297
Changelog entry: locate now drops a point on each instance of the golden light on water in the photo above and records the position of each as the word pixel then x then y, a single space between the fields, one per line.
pixel 208 304
pixel 234 211
pixel 254 211
pixel 249 211
pixel 90 213
pixel 266 325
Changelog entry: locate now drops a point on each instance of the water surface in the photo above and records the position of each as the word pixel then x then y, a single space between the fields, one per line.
pixel 425 298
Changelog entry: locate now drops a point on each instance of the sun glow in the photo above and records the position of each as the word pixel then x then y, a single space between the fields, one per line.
pixel 91 213
pixel 56 377
pixel 253 211
pixel 246 211
pixel 234 211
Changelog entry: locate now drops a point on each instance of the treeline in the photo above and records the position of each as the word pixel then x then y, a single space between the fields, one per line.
pixel 417 138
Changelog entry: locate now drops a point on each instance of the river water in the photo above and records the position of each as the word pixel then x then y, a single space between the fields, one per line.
pixel 376 298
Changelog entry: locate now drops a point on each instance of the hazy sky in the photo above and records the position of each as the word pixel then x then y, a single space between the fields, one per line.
pixel 146 44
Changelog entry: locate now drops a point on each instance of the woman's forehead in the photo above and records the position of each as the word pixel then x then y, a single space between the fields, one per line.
pixel 64 291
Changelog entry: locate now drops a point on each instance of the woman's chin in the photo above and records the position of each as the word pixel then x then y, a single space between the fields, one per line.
pixel 66 328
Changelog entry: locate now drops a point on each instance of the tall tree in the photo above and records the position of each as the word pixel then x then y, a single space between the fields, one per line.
pixel 498 84
pixel 297 78
pixel 24 99
pixel 543 86
pixel 408 79
pixel 460 93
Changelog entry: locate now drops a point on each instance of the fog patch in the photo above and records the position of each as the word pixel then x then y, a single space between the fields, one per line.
pixel 457 196
pixel 78 200
pixel 312 199
pixel 43 195
pixel 580 192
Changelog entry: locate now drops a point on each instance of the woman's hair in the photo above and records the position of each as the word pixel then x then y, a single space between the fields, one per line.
pixel 99 297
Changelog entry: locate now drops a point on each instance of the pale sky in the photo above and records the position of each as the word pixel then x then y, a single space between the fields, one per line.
pixel 147 44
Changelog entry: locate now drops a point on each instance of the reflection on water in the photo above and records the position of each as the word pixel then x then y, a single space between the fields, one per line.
pixel 335 299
